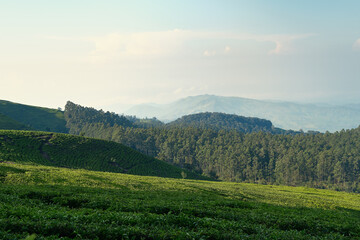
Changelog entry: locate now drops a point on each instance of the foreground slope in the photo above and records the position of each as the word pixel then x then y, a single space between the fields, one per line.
pixel 37 118
pixel 64 203
pixel 63 150
pixel 286 115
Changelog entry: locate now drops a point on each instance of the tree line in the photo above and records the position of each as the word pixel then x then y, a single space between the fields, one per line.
pixel 323 160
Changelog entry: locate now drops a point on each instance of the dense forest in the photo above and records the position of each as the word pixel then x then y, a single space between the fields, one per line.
pixel 218 121
pixel 76 115
pixel 329 160
pixel 223 121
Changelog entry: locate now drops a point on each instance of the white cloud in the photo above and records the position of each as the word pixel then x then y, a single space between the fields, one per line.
pixel 283 42
pixel 356 45
pixel 138 44
pixel 178 91
pixel 174 42
pixel 280 48
pixel 211 53
pixel 227 49
pixel 208 53
pixel 185 91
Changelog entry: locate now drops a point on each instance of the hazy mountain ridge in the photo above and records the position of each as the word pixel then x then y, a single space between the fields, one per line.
pixel 286 115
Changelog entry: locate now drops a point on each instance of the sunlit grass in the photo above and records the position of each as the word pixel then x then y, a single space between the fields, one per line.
pixel 72 203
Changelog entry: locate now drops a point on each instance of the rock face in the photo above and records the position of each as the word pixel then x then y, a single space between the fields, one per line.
pixel 286 115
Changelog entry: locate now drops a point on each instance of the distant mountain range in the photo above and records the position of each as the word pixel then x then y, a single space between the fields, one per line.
pixel 286 115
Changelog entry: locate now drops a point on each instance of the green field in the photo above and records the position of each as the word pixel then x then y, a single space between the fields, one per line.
pixel 39 118
pixel 65 203
pixel 60 186
pixel 9 123
pixel 64 150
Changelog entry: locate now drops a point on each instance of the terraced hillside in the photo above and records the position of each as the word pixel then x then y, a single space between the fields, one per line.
pixel 37 118
pixel 59 203
pixel 9 123
pixel 63 150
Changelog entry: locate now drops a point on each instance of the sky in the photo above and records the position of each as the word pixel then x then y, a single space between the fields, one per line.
pixel 115 54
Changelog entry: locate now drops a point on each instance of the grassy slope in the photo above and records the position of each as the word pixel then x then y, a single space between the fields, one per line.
pixel 63 150
pixel 9 123
pixel 56 202
pixel 43 119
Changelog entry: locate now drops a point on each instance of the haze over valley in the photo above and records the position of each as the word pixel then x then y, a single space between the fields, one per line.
pixel 287 115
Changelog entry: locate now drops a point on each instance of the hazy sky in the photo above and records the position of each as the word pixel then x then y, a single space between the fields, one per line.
pixel 110 54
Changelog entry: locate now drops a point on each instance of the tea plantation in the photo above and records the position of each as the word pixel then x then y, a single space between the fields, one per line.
pixel 9 123
pixel 43 202
pixel 32 117
pixel 64 150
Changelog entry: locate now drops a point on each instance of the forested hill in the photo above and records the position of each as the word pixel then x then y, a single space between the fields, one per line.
pixel 329 160
pixel 78 115
pixel 218 121
pixel 63 150
pixel 31 117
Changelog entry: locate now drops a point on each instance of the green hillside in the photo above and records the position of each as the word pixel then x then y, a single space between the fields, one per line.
pixel 329 160
pixel 63 150
pixel 53 203
pixel 9 123
pixel 38 118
